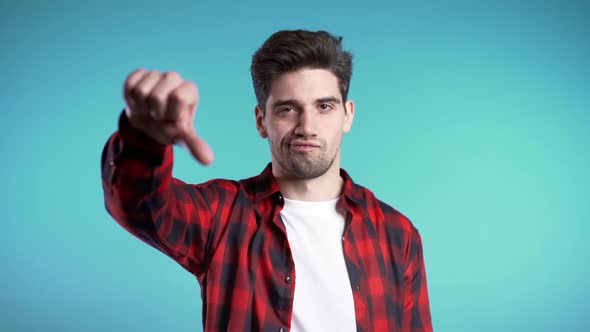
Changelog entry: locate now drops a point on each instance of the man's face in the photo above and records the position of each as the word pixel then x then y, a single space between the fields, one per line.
pixel 304 122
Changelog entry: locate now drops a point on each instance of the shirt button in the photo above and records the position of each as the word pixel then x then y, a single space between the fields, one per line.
pixel 282 329
pixel 357 287
pixel 111 163
pixel 288 279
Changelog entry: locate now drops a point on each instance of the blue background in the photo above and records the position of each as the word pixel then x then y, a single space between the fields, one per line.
pixel 472 119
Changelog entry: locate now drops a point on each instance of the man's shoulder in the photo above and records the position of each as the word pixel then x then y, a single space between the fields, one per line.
pixel 218 186
pixel 383 212
pixel 246 189
pixel 246 185
pixel 249 184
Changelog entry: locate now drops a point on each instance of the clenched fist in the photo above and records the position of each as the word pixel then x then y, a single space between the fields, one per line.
pixel 163 106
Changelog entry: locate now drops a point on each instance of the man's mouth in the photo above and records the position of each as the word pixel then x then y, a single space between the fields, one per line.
pixel 301 146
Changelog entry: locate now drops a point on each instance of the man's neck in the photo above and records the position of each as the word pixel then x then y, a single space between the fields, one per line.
pixel 325 187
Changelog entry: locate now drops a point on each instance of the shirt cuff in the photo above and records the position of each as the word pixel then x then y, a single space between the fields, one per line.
pixel 136 142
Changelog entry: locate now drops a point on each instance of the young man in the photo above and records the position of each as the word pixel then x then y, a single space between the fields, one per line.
pixel 299 247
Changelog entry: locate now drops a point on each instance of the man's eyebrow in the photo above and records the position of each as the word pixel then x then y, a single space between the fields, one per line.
pixel 328 100
pixel 285 102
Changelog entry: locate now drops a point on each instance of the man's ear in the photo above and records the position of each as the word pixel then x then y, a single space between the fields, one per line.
pixel 348 116
pixel 259 113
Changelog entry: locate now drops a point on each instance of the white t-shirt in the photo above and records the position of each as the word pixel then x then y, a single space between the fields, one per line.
pixel 323 296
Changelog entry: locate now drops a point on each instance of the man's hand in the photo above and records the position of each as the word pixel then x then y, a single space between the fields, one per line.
pixel 163 106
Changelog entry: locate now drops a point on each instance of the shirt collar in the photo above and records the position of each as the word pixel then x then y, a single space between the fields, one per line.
pixel 266 185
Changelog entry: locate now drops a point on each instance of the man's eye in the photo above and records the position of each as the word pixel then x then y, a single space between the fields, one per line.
pixel 325 107
pixel 286 109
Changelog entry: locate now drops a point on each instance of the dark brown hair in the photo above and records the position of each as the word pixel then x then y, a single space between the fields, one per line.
pixel 290 50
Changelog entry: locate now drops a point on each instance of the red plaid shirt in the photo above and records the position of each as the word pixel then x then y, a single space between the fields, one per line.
pixel 229 234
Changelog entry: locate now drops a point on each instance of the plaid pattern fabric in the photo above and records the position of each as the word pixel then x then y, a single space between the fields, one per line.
pixel 229 234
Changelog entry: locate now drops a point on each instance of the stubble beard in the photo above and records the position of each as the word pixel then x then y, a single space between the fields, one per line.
pixel 307 165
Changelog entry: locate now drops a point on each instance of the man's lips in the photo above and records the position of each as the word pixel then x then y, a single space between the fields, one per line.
pixel 304 143
pixel 301 146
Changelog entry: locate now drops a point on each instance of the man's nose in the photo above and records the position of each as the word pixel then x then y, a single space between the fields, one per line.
pixel 306 125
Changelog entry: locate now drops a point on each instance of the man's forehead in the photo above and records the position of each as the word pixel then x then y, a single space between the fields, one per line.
pixel 305 84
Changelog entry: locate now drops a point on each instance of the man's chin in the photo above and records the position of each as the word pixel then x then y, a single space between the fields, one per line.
pixel 307 171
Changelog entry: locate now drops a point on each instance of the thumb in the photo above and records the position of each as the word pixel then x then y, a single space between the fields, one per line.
pixel 197 146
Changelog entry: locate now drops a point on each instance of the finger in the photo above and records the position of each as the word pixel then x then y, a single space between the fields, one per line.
pixel 183 98
pixel 130 82
pixel 142 89
pixel 158 98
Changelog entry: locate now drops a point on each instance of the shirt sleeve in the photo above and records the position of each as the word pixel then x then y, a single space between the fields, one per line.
pixel 416 304
pixel 143 197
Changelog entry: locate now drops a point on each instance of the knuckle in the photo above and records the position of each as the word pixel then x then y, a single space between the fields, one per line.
pixel 172 76
pixel 192 86
pixel 195 91
pixel 138 71
pixel 155 100
pixel 134 75
pixel 176 97
pixel 156 73
pixel 136 92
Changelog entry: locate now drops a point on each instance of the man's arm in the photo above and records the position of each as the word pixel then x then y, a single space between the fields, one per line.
pixel 139 190
pixel 416 304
